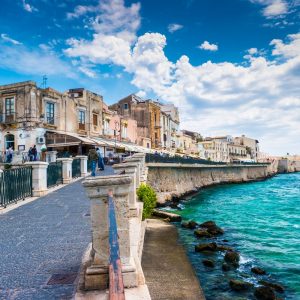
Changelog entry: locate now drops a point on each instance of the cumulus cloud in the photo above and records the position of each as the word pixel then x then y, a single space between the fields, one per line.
pixel 6 38
pixel 174 27
pixel 80 10
pixel 259 98
pixel 28 7
pixel 208 46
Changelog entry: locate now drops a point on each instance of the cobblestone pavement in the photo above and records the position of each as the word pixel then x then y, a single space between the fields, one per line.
pixel 42 244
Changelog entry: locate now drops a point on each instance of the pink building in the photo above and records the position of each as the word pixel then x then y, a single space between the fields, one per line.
pixel 118 127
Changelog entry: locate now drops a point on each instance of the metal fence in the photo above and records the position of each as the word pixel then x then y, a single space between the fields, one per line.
pixel 76 171
pixel 15 184
pixel 157 158
pixel 116 287
pixel 54 174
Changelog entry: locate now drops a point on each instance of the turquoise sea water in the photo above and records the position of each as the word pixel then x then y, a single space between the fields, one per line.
pixel 262 221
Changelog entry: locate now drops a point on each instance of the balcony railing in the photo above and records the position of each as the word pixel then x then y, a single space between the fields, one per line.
pixel 8 118
pixel 81 126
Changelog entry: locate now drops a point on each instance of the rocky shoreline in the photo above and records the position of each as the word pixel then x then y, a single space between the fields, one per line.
pixel 219 253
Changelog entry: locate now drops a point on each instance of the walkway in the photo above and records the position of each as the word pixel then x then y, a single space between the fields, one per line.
pixel 168 272
pixel 42 244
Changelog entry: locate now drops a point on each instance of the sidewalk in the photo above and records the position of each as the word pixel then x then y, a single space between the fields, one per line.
pixel 42 244
pixel 168 272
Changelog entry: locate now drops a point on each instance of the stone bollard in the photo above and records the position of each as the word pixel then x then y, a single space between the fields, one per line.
pixel 39 177
pixel 96 276
pixel 130 169
pixel 66 169
pixel 51 156
pixel 83 164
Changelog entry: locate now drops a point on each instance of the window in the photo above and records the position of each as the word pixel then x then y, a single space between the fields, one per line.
pixel 9 106
pixel 95 120
pixel 125 105
pixel 81 117
pixel 50 113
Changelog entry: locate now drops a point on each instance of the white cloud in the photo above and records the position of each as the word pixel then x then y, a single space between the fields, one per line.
pixel 81 10
pixel 291 49
pixel 6 38
pixel 259 98
pixel 207 46
pixel 29 7
pixel 275 8
pixel 174 27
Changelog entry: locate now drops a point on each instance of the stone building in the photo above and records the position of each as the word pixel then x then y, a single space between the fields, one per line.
pixel 35 116
pixel 21 117
pixel 117 127
pixel 147 114
pixel 251 146
pixel 169 126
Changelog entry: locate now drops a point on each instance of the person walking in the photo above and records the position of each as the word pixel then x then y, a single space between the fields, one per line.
pixel 34 152
pixel 9 154
pixel 93 157
pixel 100 160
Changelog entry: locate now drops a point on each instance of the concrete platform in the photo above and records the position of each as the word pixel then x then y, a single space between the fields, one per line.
pixel 168 272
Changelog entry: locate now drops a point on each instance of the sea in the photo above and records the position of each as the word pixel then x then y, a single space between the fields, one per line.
pixel 261 221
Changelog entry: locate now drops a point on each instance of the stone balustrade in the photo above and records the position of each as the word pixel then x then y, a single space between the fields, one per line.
pixel 131 228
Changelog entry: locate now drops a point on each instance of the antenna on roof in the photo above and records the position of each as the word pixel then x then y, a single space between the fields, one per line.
pixel 44 84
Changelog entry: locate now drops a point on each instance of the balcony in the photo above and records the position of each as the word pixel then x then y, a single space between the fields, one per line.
pixel 8 118
pixel 81 126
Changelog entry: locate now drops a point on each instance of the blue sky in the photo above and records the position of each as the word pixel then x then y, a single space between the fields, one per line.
pixel 232 67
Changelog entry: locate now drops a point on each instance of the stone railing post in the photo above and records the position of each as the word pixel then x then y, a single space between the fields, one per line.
pixel 39 177
pixel 66 169
pixel 130 169
pixel 51 156
pixel 96 276
pixel 83 165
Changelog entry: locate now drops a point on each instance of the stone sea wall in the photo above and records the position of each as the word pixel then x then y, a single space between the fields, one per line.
pixel 175 180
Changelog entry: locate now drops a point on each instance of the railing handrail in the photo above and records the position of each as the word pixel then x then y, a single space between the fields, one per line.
pixel 116 286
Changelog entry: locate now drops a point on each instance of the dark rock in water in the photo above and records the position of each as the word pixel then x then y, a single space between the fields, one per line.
pixel 225 241
pixel 264 293
pixel 174 205
pixel 258 271
pixel 276 286
pixel 208 263
pixel 202 233
pixel 212 228
pixel 239 285
pixel 232 257
pixel 189 224
pixel 225 267
pixel 224 248
pixel 165 215
pixel 206 247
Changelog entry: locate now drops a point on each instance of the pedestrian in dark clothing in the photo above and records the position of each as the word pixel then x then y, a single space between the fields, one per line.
pixel 34 153
pixel 93 157
pixel 100 160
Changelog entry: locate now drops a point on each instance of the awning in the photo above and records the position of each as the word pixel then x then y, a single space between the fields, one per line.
pixel 62 138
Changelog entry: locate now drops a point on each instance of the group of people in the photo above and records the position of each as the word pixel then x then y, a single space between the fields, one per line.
pixel 96 158
pixel 9 154
pixel 32 153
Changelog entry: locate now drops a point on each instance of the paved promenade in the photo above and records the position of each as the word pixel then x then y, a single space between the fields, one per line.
pixel 42 244
pixel 168 272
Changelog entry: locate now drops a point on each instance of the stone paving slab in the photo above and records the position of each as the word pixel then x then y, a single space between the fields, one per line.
pixel 41 238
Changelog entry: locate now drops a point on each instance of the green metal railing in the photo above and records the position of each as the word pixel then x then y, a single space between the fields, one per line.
pixel 76 172
pixel 89 166
pixel 54 174
pixel 15 184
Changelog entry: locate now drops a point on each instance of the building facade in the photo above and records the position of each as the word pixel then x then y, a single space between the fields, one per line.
pixel 251 145
pixel 147 115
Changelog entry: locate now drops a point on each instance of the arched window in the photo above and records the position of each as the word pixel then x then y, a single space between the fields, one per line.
pixel 9 141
